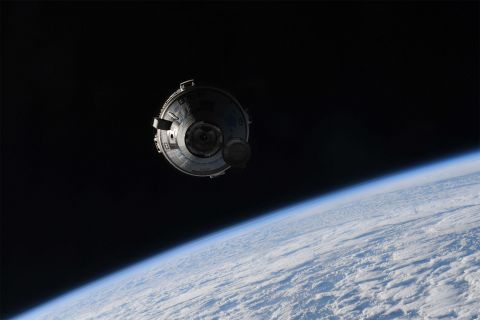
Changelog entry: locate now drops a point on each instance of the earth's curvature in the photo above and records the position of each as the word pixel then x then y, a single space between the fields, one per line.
pixel 407 246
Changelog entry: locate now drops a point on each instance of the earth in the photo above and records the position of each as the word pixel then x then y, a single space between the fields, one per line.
pixel 404 246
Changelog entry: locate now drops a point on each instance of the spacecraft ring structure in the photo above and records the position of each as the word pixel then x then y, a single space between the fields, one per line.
pixel 202 131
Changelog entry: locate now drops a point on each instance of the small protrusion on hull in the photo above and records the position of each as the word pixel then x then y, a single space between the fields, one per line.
pixel 155 141
pixel 189 83
pixel 161 124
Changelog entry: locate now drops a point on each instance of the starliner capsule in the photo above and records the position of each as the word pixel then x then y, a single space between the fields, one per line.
pixel 202 131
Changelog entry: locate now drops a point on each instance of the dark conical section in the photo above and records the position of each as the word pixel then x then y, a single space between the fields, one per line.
pixel 236 152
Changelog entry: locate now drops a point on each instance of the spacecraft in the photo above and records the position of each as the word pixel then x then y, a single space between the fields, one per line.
pixel 202 131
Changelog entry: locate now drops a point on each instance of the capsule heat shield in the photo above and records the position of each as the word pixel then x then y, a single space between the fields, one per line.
pixel 202 131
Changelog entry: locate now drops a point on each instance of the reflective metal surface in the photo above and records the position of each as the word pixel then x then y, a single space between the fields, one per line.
pixel 202 131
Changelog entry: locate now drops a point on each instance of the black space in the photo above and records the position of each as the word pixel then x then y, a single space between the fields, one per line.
pixel 338 93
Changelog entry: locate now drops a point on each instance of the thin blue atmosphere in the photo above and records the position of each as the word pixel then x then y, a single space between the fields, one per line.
pixel 469 162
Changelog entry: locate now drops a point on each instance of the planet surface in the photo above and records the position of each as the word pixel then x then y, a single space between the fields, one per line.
pixel 404 246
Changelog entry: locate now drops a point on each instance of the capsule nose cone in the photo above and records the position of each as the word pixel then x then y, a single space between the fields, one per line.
pixel 236 152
